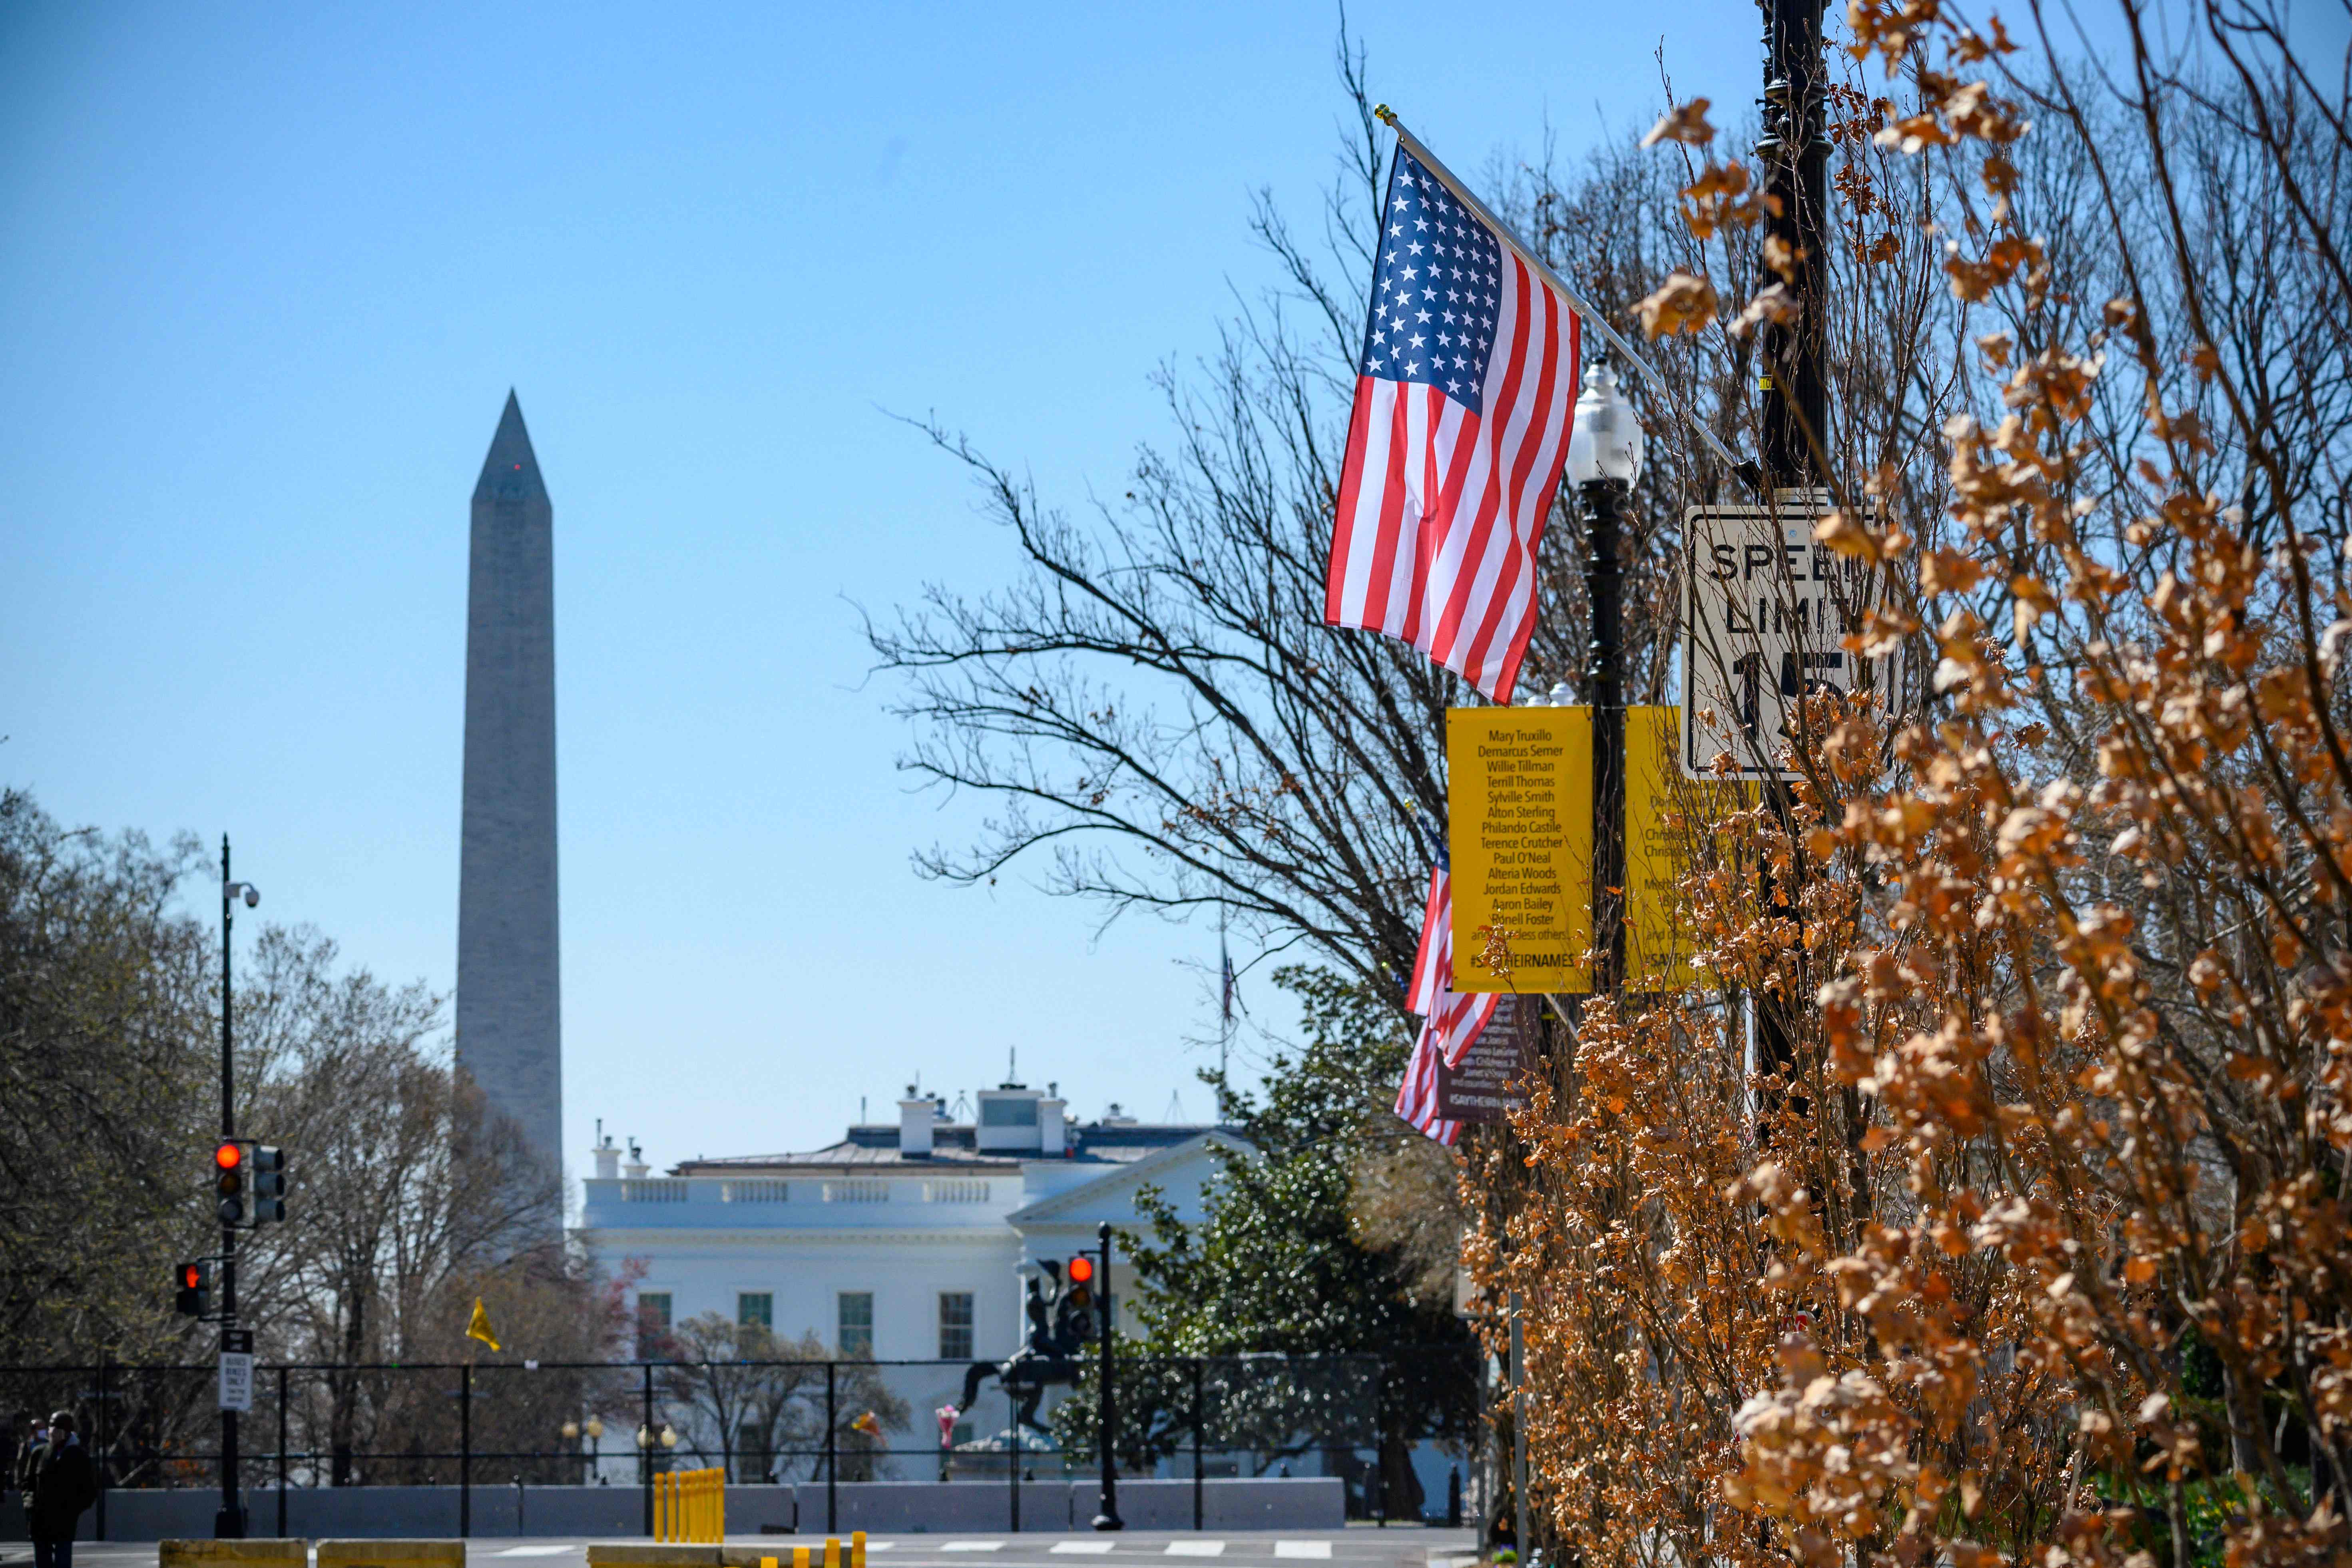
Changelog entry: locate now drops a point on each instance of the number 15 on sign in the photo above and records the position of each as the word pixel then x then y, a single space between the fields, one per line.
pixel 1765 613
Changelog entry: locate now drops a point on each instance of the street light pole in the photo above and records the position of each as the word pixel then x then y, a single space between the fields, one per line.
pixel 228 1523
pixel 1604 457
pixel 1791 368
pixel 1108 1517
pixel 1796 190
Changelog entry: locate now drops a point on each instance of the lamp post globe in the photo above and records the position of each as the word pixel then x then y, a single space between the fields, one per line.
pixel 1605 441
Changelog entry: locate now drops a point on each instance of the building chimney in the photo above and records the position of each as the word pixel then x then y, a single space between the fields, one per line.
pixel 1051 1140
pixel 915 1113
pixel 637 1170
pixel 607 1156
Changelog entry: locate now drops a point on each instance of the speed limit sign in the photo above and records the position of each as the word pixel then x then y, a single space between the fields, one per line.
pixel 1766 613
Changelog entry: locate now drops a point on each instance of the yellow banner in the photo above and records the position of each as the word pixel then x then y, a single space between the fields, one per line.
pixel 1518 810
pixel 1668 819
pixel 1519 833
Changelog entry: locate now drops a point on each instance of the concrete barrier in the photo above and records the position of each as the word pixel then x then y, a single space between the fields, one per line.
pixel 618 1514
pixel 261 1554
pixel 391 1554
pixel 901 1508
pixel 1274 1502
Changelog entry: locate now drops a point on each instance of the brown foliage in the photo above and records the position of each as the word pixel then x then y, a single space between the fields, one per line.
pixel 2034 1242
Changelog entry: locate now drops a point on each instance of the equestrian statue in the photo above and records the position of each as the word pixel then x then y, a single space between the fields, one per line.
pixel 1061 1322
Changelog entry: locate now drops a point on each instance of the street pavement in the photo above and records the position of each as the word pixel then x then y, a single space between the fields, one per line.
pixel 1360 1546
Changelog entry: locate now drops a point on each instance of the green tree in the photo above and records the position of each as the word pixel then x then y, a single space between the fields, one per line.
pixel 105 1048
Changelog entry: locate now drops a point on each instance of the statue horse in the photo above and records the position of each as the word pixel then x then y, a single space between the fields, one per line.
pixel 1048 1355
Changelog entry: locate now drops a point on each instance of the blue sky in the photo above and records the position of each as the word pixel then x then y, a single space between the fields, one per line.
pixel 266 274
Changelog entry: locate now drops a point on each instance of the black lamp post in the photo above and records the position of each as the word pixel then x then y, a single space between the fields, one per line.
pixel 1604 457
pixel 228 1523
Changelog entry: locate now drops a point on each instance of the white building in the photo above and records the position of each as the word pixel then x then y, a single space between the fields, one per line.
pixel 906 1242
pixel 902 1241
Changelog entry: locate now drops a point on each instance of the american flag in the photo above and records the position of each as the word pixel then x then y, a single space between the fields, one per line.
pixel 1416 1101
pixel 1462 400
pixel 1452 1020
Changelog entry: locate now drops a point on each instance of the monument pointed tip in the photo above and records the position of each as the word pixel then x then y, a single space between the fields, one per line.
pixel 512 470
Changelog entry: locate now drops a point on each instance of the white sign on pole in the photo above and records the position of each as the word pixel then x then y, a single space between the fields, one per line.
pixel 1765 611
pixel 235 1381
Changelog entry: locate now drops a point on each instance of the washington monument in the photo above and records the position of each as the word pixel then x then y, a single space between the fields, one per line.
pixel 510 979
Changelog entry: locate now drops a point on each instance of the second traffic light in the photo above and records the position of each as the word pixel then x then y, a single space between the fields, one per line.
pixel 269 1183
pixel 1082 1302
pixel 194 1283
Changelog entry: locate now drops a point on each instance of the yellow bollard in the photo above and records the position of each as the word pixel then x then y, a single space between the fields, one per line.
pixel 800 1557
pixel 767 1563
pixel 832 1551
pixel 856 1549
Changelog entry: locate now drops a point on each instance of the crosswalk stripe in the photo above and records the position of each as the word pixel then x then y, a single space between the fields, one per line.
pixel 1081 1548
pixel 967 1546
pixel 1196 1549
pixel 1302 1549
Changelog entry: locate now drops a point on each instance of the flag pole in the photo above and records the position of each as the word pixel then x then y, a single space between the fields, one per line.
pixel 1446 177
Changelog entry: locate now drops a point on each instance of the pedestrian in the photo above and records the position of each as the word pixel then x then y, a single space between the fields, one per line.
pixel 20 1449
pixel 59 1482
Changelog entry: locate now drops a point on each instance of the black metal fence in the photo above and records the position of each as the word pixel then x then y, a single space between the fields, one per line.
pixel 830 1422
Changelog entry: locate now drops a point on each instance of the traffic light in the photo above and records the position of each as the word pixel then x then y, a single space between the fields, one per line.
pixel 193 1281
pixel 269 1180
pixel 229 1181
pixel 1078 1301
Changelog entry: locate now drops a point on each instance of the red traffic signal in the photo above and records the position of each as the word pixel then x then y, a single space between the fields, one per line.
pixel 193 1284
pixel 228 1181
pixel 1082 1270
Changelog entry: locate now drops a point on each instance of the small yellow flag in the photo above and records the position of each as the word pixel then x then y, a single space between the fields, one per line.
pixel 479 1329
pixel 869 1424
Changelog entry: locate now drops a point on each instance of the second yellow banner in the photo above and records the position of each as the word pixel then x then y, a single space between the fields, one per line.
pixel 1519 833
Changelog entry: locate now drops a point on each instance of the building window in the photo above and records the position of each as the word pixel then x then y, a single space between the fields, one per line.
pixel 753 1463
pixel 653 1324
pixel 756 1307
pixel 955 1325
pixel 855 1335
